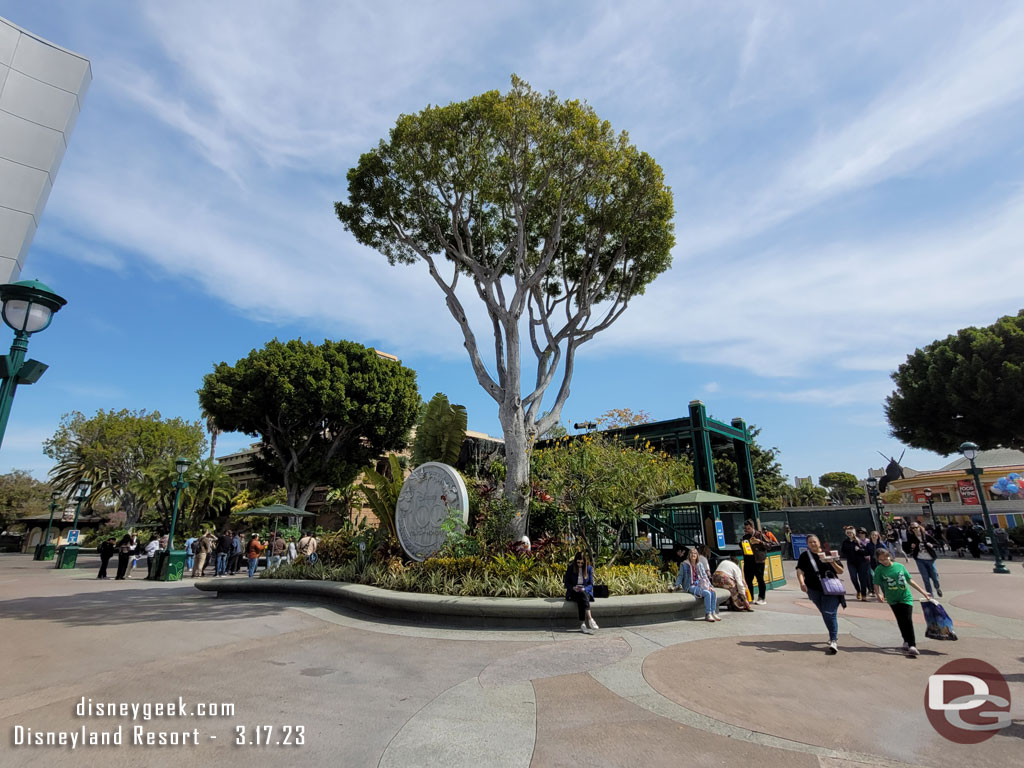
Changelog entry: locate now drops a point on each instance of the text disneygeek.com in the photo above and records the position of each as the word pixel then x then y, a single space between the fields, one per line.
pixel 151 735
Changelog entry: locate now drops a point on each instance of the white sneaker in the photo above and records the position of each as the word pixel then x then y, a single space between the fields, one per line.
pixel 913 652
pixel 708 617
pixel 585 629
pixel 717 617
pixel 593 624
pixel 760 602
pixel 833 648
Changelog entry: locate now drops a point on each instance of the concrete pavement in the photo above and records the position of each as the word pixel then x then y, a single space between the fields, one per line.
pixel 370 692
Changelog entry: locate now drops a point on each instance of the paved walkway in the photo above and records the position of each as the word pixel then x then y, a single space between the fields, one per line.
pixel 754 687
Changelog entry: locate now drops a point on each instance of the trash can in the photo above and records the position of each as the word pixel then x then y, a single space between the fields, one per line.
pixel 67 556
pixel 45 552
pixel 169 566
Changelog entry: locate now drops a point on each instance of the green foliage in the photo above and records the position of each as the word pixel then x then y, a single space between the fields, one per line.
pixel 440 433
pixel 769 482
pixel 966 387
pixel 842 487
pixel 21 495
pixel 457 541
pixel 381 492
pixel 615 418
pixel 322 411
pixel 807 495
pixel 601 484
pixel 114 449
pixel 495 522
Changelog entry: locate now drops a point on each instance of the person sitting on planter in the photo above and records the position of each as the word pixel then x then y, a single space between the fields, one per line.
pixel 579 588
pixel 729 576
pixel 697 581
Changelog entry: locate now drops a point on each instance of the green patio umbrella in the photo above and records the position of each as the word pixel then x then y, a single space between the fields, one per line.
pixel 700 497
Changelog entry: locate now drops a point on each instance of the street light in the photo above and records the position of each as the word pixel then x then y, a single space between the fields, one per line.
pixel 69 554
pixel 931 506
pixel 43 550
pixel 171 573
pixel 970 452
pixel 28 308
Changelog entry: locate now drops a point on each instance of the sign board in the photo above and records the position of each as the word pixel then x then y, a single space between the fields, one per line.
pixel 720 534
pixel 799 544
pixel 430 495
pixel 968 493
pixel 73 536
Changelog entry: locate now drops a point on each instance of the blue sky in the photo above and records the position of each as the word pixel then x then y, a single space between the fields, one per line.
pixel 847 180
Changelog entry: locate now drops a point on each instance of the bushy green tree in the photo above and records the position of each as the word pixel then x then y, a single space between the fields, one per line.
pixel 322 411
pixel 966 387
pixel 114 449
pixel 21 495
pixel 842 487
pixel 555 220
pixel 602 484
pixel 769 482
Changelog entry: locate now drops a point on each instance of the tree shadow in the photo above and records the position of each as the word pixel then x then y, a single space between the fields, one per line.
pixel 132 606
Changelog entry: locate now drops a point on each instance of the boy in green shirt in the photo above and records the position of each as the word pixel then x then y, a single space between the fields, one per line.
pixel 896 581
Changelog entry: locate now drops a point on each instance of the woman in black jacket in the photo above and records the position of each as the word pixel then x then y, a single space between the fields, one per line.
pixel 106 550
pixel 579 588
pixel 921 547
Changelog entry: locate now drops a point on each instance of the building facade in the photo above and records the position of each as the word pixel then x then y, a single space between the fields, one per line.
pixel 41 90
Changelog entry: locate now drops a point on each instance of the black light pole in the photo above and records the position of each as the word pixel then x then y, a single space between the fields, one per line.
pixel 970 452
pixel 931 506
pixel 872 486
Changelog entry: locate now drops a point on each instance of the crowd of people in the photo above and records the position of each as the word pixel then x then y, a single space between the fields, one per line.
pixel 224 553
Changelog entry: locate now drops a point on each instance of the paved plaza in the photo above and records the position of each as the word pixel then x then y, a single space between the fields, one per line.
pixel 754 689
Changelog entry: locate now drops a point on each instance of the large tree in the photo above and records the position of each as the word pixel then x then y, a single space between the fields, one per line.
pixel 322 411
pixel 21 495
pixel 842 487
pixel 769 482
pixel 966 387
pixel 555 220
pixel 114 449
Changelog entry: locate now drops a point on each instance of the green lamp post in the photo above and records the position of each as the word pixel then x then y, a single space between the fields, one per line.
pixel 28 308
pixel 970 452
pixel 68 555
pixel 44 550
pixel 170 564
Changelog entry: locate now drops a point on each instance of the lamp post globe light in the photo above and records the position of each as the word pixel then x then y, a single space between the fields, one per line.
pixel 872 485
pixel 170 565
pixel 68 554
pixel 970 452
pixel 931 505
pixel 44 550
pixel 28 308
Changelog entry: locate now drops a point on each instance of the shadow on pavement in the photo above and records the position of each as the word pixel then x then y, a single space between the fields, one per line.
pixel 131 607
pixel 818 646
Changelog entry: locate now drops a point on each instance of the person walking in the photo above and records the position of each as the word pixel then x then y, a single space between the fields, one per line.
pixel 125 548
pixel 856 555
pixel 253 552
pixel 235 560
pixel 190 553
pixel 813 565
pixel 151 549
pixel 696 580
pixel 106 551
pixel 729 576
pixel 224 547
pixel 204 548
pixel 894 579
pixel 307 545
pixel 787 536
pixel 753 561
pixel 921 548
pixel 1001 541
pixel 874 543
pixel 579 588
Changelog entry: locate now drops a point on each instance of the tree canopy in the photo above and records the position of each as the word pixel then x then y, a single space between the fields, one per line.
pixel 966 387
pixel 321 411
pixel 543 208
pixel 440 432
pixel 769 482
pixel 114 449
pixel 21 495
pixel 842 487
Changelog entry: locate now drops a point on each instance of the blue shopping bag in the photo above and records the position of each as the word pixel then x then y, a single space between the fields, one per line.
pixel 940 626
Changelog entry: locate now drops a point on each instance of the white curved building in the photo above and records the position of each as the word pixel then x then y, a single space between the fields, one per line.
pixel 41 91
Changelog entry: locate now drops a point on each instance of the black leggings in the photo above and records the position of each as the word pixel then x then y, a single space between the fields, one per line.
pixel 753 570
pixel 122 563
pixel 903 613
pixel 582 600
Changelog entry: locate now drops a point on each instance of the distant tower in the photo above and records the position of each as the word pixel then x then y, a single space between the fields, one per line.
pixel 41 92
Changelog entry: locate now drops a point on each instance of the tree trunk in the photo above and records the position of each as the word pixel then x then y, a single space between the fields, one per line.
pixel 517 463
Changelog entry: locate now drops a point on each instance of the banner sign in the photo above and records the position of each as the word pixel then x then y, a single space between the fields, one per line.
pixel 968 493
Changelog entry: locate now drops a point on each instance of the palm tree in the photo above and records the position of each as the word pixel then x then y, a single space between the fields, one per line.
pixel 210 489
